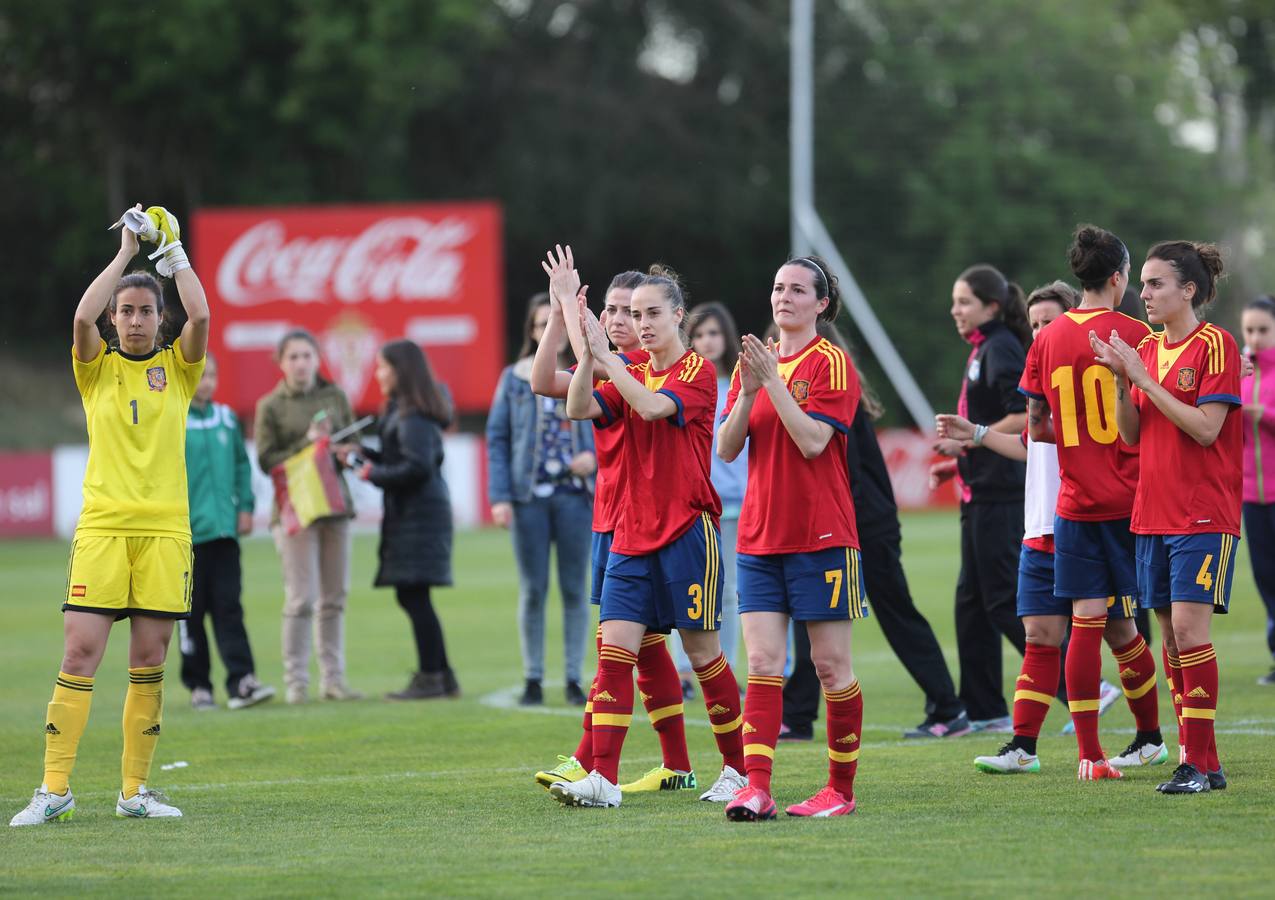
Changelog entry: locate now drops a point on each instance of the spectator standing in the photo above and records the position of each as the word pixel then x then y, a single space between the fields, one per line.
pixel 303 407
pixel 540 467
pixel 1258 394
pixel 219 479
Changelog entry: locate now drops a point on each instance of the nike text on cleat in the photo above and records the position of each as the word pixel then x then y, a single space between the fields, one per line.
pixel 591 791
pixel 661 779
pixel 146 805
pixel 45 808
pixel 750 805
pixel 1009 760
pixel 1187 779
pixel 1097 770
pixel 727 785
pixel 828 802
pixel 568 769
pixel 1141 753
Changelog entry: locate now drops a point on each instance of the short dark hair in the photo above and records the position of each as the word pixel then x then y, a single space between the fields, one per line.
pixel 1059 292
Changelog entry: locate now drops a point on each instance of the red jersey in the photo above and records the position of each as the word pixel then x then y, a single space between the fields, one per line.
pixel 793 504
pixel 663 465
pixel 607 491
pixel 1098 471
pixel 1185 488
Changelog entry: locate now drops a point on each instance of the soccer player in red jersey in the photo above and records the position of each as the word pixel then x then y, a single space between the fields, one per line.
pixel 798 557
pixel 1071 401
pixel 664 569
pixel 658 682
pixel 1179 399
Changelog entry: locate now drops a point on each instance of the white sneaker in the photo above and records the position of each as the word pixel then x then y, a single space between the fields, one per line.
pixel 1008 761
pixel 45 807
pixel 727 785
pixel 250 692
pixel 146 805
pixel 1108 694
pixel 592 790
pixel 201 699
pixel 1140 753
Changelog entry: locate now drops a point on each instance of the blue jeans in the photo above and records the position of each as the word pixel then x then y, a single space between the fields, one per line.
pixel 566 519
pixel 728 634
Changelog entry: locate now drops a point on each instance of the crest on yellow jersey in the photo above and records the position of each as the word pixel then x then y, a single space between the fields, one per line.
pixel 156 378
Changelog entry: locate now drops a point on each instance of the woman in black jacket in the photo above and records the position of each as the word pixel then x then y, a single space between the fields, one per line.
pixel 415 552
pixel 990 313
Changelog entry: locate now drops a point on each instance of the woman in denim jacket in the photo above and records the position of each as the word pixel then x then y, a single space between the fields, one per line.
pixel 540 467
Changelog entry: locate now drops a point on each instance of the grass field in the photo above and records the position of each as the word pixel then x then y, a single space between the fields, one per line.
pixel 373 798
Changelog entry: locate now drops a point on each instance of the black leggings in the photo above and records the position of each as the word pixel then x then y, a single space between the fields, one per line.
pixel 414 598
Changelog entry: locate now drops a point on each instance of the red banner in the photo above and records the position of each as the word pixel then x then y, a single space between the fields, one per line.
pixel 356 276
pixel 26 495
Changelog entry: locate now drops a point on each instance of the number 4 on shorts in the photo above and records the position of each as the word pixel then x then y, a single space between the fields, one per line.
pixel 1205 578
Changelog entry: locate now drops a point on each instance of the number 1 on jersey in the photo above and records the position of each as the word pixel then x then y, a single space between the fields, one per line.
pixel 133 403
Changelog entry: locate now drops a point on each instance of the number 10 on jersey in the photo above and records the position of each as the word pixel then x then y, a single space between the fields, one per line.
pixel 1098 387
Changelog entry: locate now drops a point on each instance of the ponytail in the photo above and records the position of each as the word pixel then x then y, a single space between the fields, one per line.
pixel 990 286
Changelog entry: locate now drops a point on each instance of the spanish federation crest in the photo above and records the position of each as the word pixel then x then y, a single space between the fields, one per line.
pixel 156 379
pixel 1186 378
pixel 800 391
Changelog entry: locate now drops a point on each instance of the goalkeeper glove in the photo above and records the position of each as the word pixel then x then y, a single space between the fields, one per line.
pixel 171 257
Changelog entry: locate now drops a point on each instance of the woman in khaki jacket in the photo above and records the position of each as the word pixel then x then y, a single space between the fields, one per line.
pixel 316 560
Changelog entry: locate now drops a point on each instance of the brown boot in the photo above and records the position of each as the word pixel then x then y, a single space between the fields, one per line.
pixel 423 686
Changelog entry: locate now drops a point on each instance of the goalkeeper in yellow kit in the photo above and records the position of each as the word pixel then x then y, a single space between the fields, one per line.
pixel 131 558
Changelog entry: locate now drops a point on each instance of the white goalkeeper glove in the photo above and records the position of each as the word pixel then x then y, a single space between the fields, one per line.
pixel 158 226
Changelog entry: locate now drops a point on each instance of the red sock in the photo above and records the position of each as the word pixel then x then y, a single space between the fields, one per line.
pixel 660 688
pixel 721 699
pixel 845 722
pixel 1137 677
pixel 613 709
pixel 763 714
pixel 1173 674
pixel 1199 702
pixel 584 750
pixel 1034 691
pixel 1084 673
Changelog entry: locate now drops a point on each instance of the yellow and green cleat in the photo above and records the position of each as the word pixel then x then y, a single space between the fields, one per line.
pixel 568 769
pixel 661 779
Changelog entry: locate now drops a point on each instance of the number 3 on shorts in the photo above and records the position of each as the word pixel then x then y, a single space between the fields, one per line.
pixel 1205 578
pixel 833 577
pixel 696 593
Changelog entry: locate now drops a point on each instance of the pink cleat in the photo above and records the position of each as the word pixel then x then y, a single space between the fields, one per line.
pixel 750 805
pixel 1097 770
pixel 828 802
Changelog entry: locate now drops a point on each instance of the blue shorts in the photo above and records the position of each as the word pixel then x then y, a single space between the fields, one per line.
pixel 677 586
pixel 1193 568
pixel 1036 591
pixel 1094 559
pixel 598 553
pixel 826 585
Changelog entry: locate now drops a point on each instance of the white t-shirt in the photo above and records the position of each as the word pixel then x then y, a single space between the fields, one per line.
pixel 1040 495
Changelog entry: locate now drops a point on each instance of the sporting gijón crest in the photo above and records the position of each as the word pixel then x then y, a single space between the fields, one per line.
pixel 156 378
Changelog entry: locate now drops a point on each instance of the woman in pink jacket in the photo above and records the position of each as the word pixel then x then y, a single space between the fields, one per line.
pixel 1258 393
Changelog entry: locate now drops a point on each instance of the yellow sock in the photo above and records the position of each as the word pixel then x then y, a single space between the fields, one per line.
pixel 68 714
pixel 143 711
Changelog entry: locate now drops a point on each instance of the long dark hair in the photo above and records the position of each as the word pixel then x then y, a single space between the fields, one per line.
pixel 990 286
pixel 301 334
pixel 414 384
pixel 826 285
pixel 730 334
pixel 1095 255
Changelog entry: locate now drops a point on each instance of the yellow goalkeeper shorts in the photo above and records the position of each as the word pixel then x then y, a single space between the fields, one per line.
pixel 130 575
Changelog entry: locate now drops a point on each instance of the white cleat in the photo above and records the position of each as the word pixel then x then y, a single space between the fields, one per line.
pixel 1140 754
pixel 727 785
pixel 1009 761
pixel 1108 694
pixel 45 807
pixel 146 805
pixel 594 790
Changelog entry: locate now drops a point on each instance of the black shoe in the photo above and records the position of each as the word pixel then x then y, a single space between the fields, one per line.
pixel 451 687
pixel 423 686
pixel 532 695
pixel 796 734
pixel 688 689
pixel 1217 780
pixel 938 728
pixel 1187 779
pixel 575 696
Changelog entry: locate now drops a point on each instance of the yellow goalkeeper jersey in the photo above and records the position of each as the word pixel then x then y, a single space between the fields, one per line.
pixel 136 407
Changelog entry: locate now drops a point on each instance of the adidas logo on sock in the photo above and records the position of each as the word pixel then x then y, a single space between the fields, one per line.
pixel 717 709
pixel 51 729
pixel 1129 673
pixel 848 739
pixel 749 729
pixel 153 731
pixel 603 697
pixel 1199 693
pixel 1027 678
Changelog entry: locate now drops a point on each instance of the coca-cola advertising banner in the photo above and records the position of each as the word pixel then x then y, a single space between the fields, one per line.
pixel 26 494
pixel 356 276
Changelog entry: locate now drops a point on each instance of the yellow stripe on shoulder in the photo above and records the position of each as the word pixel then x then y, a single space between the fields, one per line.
pixel 836 364
pixel 1153 336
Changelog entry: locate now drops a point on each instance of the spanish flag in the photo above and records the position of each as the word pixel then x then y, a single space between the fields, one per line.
pixel 307 487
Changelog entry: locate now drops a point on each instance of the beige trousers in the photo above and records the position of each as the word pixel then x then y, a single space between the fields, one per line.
pixel 316 580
